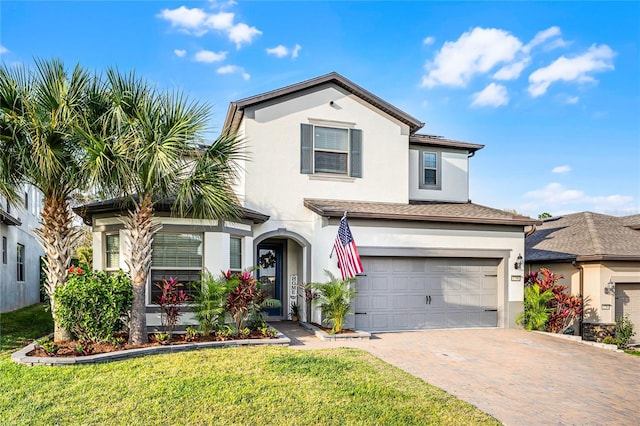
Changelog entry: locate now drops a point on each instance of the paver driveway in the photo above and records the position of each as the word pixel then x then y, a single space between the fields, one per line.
pixel 519 377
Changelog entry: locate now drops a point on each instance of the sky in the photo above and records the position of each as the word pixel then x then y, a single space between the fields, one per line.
pixel 552 89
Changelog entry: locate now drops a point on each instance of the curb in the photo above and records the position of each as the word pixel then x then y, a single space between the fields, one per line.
pixel 21 357
pixel 322 335
pixel 578 339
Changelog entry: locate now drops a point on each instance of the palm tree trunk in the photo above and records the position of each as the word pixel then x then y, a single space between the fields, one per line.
pixel 142 228
pixel 56 236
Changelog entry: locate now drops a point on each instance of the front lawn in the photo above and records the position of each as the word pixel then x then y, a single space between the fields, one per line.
pixel 19 328
pixel 247 385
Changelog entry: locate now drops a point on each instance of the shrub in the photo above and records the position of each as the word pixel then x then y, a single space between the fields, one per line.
pixel 246 300
pixel 170 300
pixel 624 331
pixel 210 299
pixel 536 308
pixel 334 298
pixel 563 308
pixel 93 305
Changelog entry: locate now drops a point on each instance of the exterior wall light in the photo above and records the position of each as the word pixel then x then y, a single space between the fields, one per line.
pixel 518 264
pixel 611 287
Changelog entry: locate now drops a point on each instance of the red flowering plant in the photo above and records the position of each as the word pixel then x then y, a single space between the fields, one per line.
pixel 75 270
pixel 564 307
pixel 170 300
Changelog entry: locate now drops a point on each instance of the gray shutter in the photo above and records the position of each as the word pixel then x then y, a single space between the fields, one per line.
pixel 356 152
pixel 306 148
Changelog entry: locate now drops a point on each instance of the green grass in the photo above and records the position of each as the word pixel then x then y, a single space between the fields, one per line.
pixel 632 352
pixel 18 328
pixel 249 385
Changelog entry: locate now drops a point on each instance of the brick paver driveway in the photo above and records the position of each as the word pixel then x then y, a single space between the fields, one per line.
pixel 519 377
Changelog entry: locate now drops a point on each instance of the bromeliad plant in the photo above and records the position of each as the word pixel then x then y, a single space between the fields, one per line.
pixel 334 298
pixel 170 300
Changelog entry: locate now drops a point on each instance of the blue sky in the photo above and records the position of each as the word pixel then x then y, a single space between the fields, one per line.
pixel 552 89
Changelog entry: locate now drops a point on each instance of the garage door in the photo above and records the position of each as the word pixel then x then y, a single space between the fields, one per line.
pixel 406 293
pixel 628 303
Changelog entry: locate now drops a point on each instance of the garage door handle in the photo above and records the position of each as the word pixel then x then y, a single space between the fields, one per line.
pixel 427 300
pixel 491 310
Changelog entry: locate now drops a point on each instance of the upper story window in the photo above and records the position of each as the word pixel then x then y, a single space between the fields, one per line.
pixel 430 169
pixel 26 201
pixel 235 254
pixel 176 255
pixel 20 263
pixel 112 252
pixel 330 150
pixel 4 250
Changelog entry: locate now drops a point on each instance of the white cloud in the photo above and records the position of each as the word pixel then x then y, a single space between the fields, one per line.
pixel 513 70
pixel 281 51
pixel 233 69
pixel 242 33
pixel 428 40
pixel 208 56
pixel 572 100
pixel 561 169
pixel 197 22
pixel 3 49
pixel 296 50
pixel 578 68
pixel 475 52
pixel 555 197
pixel 494 95
pixel 180 52
pixel 541 37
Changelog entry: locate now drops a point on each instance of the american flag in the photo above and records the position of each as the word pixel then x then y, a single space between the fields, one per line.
pixel 346 251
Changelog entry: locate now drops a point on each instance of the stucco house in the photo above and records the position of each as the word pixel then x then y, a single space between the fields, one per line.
pixel 21 252
pixel 318 149
pixel 599 257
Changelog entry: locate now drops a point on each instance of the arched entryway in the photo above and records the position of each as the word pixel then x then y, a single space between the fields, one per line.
pixel 283 258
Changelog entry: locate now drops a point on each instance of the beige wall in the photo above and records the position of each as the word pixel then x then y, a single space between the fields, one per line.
pixel 599 300
pixel 454 179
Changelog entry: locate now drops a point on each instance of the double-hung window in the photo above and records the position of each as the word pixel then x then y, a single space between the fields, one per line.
pixel 20 263
pixel 235 254
pixel 430 173
pixel 112 252
pixel 176 255
pixel 330 150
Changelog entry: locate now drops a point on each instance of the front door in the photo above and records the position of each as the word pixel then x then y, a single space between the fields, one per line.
pixel 270 273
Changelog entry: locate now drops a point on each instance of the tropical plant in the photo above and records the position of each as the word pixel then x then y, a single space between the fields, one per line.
pixel 149 149
pixel 210 299
pixel 170 300
pixel 564 308
pixel 334 297
pixel 246 300
pixel 295 311
pixel 93 304
pixel 536 308
pixel 39 111
pixel 624 331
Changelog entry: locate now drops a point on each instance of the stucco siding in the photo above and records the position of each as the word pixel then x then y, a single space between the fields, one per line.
pixel 454 177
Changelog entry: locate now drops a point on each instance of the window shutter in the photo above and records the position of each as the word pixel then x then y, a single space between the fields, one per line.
pixel 356 152
pixel 306 148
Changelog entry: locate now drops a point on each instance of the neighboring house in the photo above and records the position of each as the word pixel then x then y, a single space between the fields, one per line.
pixel 324 147
pixel 599 257
pixel 21 252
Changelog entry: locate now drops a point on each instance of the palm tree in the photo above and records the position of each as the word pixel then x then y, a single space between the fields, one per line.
pixel 149 150
pixel 38 113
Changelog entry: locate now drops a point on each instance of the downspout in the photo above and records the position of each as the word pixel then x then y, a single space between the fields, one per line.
pixel 576 265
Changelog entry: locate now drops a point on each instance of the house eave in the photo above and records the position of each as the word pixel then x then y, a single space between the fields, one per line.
pixel 236 109
pixel 9 220
pixel 429 140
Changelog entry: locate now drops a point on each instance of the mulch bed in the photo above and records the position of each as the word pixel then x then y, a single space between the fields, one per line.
pixel 69 349
pixel 328 330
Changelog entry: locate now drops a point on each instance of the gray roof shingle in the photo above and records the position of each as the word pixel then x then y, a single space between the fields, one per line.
pixel 585 236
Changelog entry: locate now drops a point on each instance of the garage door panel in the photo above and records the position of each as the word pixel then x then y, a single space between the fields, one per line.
pixel 628 304
pixel 421 293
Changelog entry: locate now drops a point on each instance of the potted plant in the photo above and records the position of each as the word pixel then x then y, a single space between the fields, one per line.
pixel 295 312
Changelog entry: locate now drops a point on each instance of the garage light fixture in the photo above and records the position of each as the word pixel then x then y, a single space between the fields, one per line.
pixel 518 264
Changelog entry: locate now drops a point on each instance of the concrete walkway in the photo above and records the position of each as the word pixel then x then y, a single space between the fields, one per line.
pixel 519 377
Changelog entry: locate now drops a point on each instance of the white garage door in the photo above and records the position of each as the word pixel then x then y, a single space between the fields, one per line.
pixel 628 303
pixel 411 293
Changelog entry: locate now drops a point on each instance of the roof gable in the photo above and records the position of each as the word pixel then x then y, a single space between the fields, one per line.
pixel 236 109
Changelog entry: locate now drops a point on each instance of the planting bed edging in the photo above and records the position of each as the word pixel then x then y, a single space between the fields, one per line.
pixel 21 357
pixel 322 335
pixel 579 340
